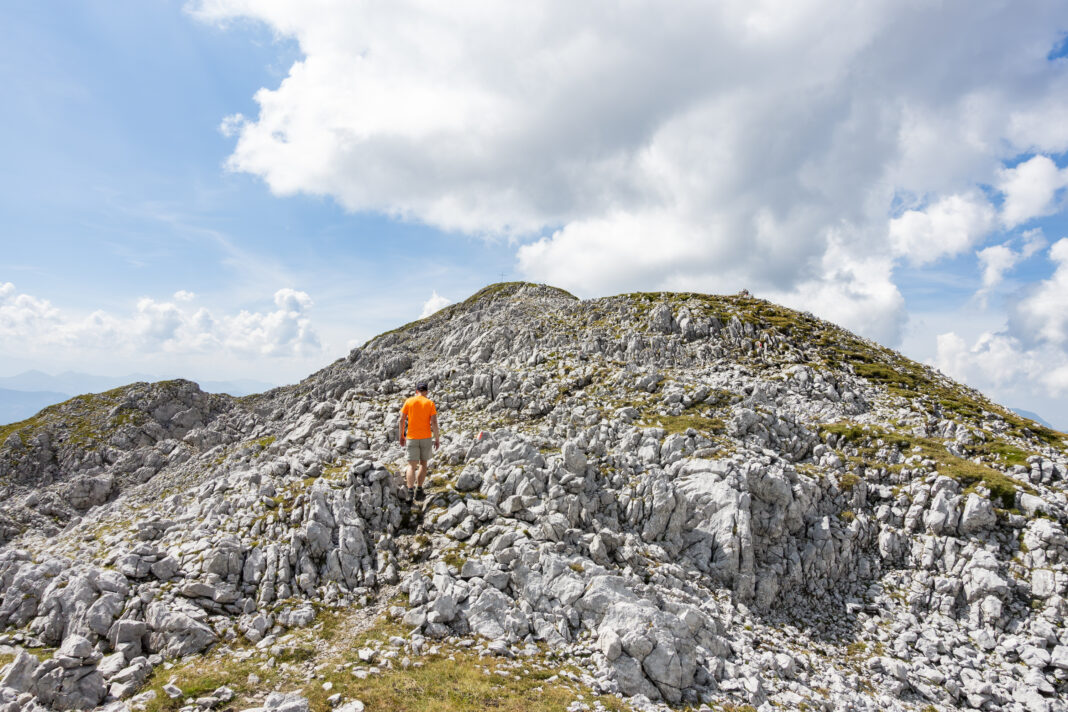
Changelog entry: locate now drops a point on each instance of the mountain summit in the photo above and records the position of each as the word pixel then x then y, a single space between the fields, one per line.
pixel 642 500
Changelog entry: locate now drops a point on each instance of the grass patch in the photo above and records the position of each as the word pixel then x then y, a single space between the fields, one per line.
pixel 971 474
pixel 678 424
pixel 856 649
pixel 848 481
pixel 296 654
pixel 202 676
pixel 454 557
pixel 1002 452
pixel 452 683
pixel 1001 486
pixel 336 471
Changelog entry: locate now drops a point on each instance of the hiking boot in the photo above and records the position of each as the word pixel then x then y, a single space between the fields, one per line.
pixel 420 495
pixel 406 495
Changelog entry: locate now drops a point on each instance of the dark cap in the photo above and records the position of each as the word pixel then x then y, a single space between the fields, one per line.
pixel 421 386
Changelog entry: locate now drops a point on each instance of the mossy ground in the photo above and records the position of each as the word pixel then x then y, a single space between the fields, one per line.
pixel 971 474
pixel 450 680
pixel 455 682
pixel 203 675
pixel 678 424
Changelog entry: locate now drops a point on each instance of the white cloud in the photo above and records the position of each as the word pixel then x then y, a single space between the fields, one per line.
pixel 943 229
pixel 29 325
pixel 1033 241
pixel 184 296
pixel 22 313
pixel 994 358
pixel 648 146
pixel 998 260
pixel 1028 360
pixel 291 300
pixel 854 292
pixel 1042 316
pixel 1030 189
pixel 998 362
pixel 231 125
pixel 1057 379
pixel 1043 127
pixel 433 304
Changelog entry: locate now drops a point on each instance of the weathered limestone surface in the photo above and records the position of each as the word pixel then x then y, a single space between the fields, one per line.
pixel 696 498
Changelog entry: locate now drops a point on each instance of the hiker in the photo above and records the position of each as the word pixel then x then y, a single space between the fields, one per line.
pixel 418 423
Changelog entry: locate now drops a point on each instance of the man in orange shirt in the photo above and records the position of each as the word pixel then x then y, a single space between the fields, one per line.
pixel 418 423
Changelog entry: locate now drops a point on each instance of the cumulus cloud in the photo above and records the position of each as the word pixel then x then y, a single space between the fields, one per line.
pixel 1030 189
pixel 944 229
pixel 290 300
pixel 1042 316
pixel 433 304
pixel 30 325
pixel 998 260
pixel 184 296
pixel 857 292
pixel 999 361
pixel 648 146
pixel 1028 357
pixel 21 313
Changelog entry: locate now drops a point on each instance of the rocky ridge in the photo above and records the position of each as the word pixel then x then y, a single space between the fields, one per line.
pixel 690 499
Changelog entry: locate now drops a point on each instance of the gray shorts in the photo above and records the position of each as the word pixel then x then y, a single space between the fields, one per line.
pixel 420 449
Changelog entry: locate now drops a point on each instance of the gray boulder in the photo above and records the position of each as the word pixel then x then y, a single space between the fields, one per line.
pixel 85 492
pixel 175 634
pixel 978 514
pixel 470 479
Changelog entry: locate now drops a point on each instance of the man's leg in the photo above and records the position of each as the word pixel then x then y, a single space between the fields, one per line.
pixel 419 494
pixel 409 475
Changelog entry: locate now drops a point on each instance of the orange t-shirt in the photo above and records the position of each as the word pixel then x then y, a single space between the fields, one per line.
pixel 419 409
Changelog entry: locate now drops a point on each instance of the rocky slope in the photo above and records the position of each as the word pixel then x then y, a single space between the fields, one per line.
pixel 673 498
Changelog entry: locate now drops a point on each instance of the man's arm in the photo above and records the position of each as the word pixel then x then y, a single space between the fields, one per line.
pixel 400 427
pixel 434 429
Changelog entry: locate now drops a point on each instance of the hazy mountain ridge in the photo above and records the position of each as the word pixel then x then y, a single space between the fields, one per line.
pixel 16 405
pixel 23 395
pixel 690 498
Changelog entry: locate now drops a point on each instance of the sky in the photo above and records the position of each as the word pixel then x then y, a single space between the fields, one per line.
pixel 227 189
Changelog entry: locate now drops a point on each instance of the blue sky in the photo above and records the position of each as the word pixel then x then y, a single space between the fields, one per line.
pixel 115 187
pixel 223 189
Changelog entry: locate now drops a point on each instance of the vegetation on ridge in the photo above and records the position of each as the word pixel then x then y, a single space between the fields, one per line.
pixel 447 679
pixel 867 440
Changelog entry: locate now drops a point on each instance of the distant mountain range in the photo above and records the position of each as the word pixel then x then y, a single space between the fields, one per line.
pixel 19 405
pixel 27 393
pixel 1035 417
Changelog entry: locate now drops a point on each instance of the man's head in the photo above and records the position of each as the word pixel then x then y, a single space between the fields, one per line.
pixel 422 387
